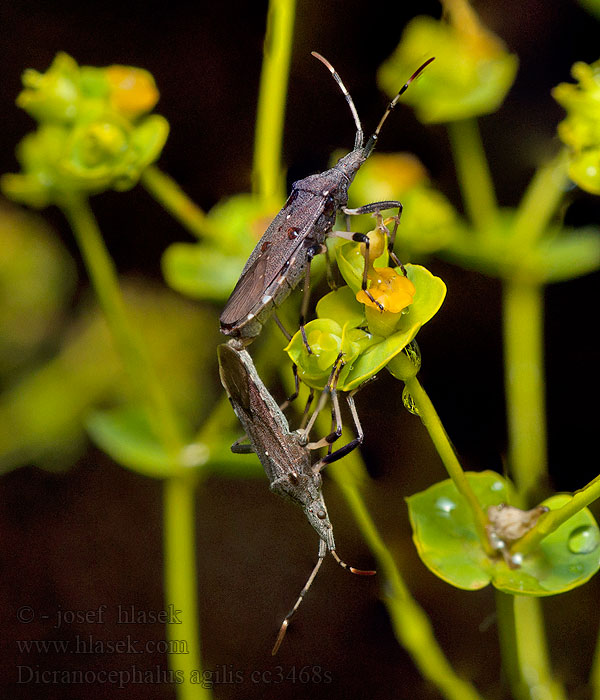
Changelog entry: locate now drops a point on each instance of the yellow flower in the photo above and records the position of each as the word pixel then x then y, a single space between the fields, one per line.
pixel 133 90
pixel 392 290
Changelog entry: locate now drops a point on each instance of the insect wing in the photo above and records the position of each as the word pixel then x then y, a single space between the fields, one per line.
pixel 249 287
pixel 267 428
pixel 234 377
pixel 272 256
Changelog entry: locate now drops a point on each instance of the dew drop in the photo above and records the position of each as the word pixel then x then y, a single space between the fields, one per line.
pixel 584 539
pixel 445 505
pixel 516 560
pixel 408 402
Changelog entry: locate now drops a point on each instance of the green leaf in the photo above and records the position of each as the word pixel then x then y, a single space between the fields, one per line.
pixel 240 221
pixel 201 271
pixel 127 436
pixel 448 544
pixel 574 253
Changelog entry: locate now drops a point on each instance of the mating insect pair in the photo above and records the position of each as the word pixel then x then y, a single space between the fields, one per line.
pixel 284 454
pixel 280 260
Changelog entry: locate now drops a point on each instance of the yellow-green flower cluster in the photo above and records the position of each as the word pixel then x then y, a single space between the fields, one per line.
pixel 580 131
pixel 472 72
pixel 93 131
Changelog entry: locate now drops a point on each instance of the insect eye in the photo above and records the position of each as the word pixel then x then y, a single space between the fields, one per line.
pixel 321 514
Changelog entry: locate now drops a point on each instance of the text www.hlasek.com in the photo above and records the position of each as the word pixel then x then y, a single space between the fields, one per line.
pixel 90 645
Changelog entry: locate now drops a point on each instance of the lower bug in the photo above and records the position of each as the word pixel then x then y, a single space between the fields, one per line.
pixel 284 454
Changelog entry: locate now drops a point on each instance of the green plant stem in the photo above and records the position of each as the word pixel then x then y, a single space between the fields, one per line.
pixel 172 198
pixel 539 203
pixel 103 276
pixel 267 174
pixel 411 625
pixel 179 523
pixel 179 516
pixel 555 518
pixel 595 675
pixel 507 635
pixel 473 174
pixel 532 650
pixel 524 382
pixel 445 449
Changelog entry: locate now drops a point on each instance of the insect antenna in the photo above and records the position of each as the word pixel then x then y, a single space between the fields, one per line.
pixel 307 585
pixel 358 139
pixel 351 569
pixel 322 552
pixel 373 139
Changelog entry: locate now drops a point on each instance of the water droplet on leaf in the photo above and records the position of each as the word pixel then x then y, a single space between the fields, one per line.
pixel 445 505
pixel 584 539
pixel 409 403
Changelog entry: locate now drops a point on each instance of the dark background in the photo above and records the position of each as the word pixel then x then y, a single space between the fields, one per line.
pixel 93 535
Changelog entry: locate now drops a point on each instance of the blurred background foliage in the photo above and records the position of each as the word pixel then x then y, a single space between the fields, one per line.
pixel 78 532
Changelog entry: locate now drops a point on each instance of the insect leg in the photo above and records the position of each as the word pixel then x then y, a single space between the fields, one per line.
pixel 311 252
pixel 331 383
pixel 307 585
pixel 309 400
pixel 330 391
pixel 282 328
pixel 391 236
pixel 240 448
pixel 359 238
pixel 376 208
pixel 294 396
pixel 352 445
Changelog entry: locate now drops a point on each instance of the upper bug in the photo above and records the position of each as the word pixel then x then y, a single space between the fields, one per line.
pixel 297 233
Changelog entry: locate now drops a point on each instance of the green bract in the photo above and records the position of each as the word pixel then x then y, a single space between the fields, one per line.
pixel 364 354
pixel 433 220
pixel 210 269
pixel 471 74
pixel 327 339
pixel 561 253
pixel 448 544
pixel 580 131
pixel 127 436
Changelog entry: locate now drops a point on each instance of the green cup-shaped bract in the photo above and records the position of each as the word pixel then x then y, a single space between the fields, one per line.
pixel 471 74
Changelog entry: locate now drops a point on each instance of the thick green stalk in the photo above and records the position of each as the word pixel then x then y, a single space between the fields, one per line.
pixel 172 198
pixel 555 518
pixel 595 675
pixel 267 174
pixel 179 512
pixel 445 449
pixel 131 348
pixel 411 625
pixel 180 575
pixel 507 632
pixel 540 202
pixel 473 172
pixel 524 380
pixel 532 650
